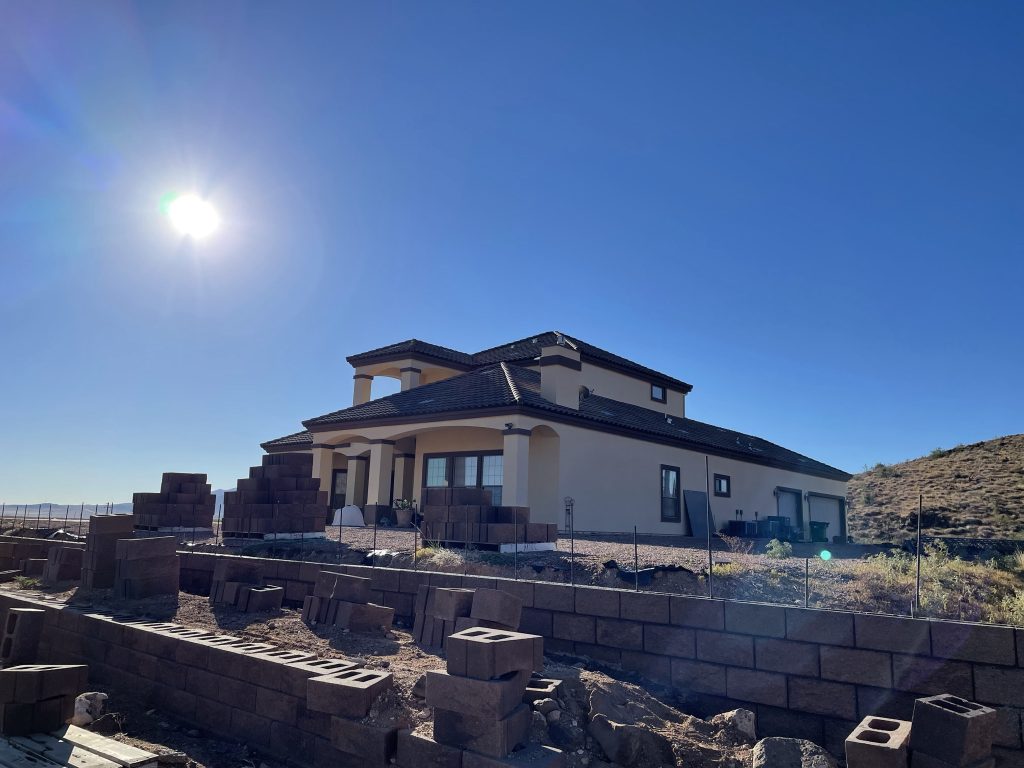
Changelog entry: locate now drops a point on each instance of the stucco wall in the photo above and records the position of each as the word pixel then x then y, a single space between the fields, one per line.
pixel 627 389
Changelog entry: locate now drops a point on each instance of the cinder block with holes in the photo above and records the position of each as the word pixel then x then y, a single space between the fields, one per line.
pixel 488 653
pixel 490 699
pixel 541 688
pixel 22 631
pixel 350 693
pixel 450 604
pixel 495 605
pixel 952 729
pixel 294 675
pixel 878 742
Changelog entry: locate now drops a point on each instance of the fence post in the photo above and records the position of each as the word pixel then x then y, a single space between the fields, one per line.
pixel 572 548
pixel 515 556
pixel 49 517
pixel 373 555
pixel 807 579
pixel 710 524
pixel 415 544
pixel 81 514
pixel 915 609
pixel 67 510
pixel 636 564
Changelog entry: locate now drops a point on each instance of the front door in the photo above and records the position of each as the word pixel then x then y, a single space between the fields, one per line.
pixel 338 487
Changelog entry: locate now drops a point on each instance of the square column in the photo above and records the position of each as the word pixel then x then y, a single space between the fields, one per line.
pixel 410 377
pixel 515 489
pixel 323 465
pixel 355 485
pixel 404 465
pixel 362 384
pixel 378 486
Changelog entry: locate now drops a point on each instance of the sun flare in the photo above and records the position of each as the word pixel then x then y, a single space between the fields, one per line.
pixel 193 217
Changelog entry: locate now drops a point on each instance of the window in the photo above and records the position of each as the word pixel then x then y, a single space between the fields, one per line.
pixel 338 487
pixel 466 470
pixel 657 393
pixel 670 509
pixel 723 485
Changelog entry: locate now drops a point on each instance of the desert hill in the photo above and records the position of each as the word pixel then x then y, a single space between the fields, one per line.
pixel 972 490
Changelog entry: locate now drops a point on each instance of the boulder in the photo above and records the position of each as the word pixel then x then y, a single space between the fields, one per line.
pixel 632 745
pixel 741 720
pixel 777 752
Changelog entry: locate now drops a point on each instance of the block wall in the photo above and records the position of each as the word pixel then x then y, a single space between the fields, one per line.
pixel 807 673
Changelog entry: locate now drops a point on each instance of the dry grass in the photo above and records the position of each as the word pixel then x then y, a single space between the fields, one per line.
pixel 971 490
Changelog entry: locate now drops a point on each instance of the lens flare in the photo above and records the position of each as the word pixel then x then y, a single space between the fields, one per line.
pixel 826 555
pixel 192 216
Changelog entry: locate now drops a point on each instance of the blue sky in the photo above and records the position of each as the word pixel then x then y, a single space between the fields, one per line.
pixel 810 211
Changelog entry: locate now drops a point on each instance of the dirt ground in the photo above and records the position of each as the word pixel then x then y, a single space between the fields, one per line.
pixel 695 743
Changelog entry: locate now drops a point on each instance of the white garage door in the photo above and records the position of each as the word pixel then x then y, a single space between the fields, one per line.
pixel 825 510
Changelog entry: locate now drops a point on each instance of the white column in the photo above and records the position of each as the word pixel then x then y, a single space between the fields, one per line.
pixel 355 484
pixel 410 377
pixel 378 486
pixel 361 388
pixel 515 490
pixel 323 466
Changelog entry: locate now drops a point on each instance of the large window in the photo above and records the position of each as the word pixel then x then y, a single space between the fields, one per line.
pixel 670 508
pixel 466 470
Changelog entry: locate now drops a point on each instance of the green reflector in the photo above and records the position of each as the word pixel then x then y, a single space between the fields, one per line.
pixel 826 555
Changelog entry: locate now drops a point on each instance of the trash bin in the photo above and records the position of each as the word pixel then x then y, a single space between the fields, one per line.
pixel 819 531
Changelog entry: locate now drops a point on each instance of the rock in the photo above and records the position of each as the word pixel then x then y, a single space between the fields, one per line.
pixel 88 707
pixel 742 720
pixel 631 744
pixel 171 757
pixel 545 705
pixel 562 737
pixel 776 752
pixel 539 720
pixel 554 716
pixel 419 688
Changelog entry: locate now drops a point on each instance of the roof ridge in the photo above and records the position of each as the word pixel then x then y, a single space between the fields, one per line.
pixel 511 384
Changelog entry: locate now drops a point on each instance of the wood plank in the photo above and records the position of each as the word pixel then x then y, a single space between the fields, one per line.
pixel 123 754
pixel 61 752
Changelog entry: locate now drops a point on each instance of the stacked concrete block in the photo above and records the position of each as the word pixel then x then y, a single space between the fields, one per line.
pixel 349 693
pixel 22 630
pixel 101 548
pixel 239 583
pixel 63 564
pixel 33 566
pixel 339 600
pixel 279 499
pixel 478 701
pixel 146 567
pixel 466 516
pixel 437 611
pixel 952 732
pixel 185 503
pixel 878 742
pixel 13 554
pixel 39 697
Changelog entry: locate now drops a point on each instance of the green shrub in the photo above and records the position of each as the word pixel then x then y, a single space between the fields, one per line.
pixel 780 550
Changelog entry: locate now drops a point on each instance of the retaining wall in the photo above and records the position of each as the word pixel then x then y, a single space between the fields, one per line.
pixel 807 673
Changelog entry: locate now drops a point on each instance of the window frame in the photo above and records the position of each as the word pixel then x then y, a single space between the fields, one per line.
pixel 679 493
pixel 450 456
pixel 664 393
pixel 728 486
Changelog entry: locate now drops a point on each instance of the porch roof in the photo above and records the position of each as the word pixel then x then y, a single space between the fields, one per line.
pixel 506 388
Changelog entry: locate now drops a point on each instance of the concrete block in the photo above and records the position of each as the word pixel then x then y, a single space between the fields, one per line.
pixel 482 734
pixel 361 617
pixel 670 641
pixel 350 693
pixel 698 677
pixel 786 656
pixel 923 760
pixel 892 633
pixel 759 687
pixel 848 665
pixel 385 580
pixel 620 634
pixel 885 702
pixel 292 677
pixel 491 699
pixel 929 677
pixel 416 751
pixel 374 744
pixel 774 721
pixel 152 547
pixel 595 601
pixel 450 604
pixel 755 619
pixel 953 729
pixel 697 612
pixel 493 605
pixel 536 622
pixel 878 742
pixel 999 685
pixel 817 626
pixel 579 629
pixel 553 597
pixel 821 697
pixel 541 688
pixel 973 642
pixel 722 648
pixel 22 631
pixel 645 606
pixel 486 654
pixel 522 589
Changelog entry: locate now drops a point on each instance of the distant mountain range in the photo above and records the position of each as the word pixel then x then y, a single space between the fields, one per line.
pixel 73 510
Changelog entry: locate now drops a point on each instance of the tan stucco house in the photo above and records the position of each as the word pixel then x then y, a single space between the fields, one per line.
pixel 549 417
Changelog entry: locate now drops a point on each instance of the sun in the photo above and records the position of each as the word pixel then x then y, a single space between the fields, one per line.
pixel 193 217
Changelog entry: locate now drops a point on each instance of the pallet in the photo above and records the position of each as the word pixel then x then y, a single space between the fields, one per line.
pixel 72 747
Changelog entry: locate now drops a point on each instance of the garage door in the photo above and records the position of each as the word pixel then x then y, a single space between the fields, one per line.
pixel 789 505
pixel 825 510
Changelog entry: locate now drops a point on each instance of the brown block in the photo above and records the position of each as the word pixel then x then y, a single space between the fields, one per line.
pixel 416 751
pixel 821 697
pixel 360 617
pixel 486 653
pixel 350 693
pixel 376 745
pixel 112 524
pixel 759 687
pixel 494 605
pixel 855 666
pixel 341 586
pixel 293 676
pixel 595 601
pixel 482 734
pixel 21 633
pixel 491 699
pixel 669 641
pixel 450 604
pixel 878 742
pixel 952 729
pixel 723 648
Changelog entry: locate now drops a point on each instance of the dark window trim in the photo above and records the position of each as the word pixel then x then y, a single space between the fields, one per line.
pixel 664 394
pixel 728 485
pixel 679 494
pixel 799 505
pixel 334 484
pixel 842 509
pixel 450 469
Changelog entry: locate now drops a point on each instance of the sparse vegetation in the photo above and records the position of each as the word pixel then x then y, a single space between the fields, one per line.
pixel 779 550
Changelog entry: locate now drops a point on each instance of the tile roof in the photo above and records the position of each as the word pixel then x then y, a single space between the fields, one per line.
pixel 515 351
pixel 506 387
pixel 300 441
